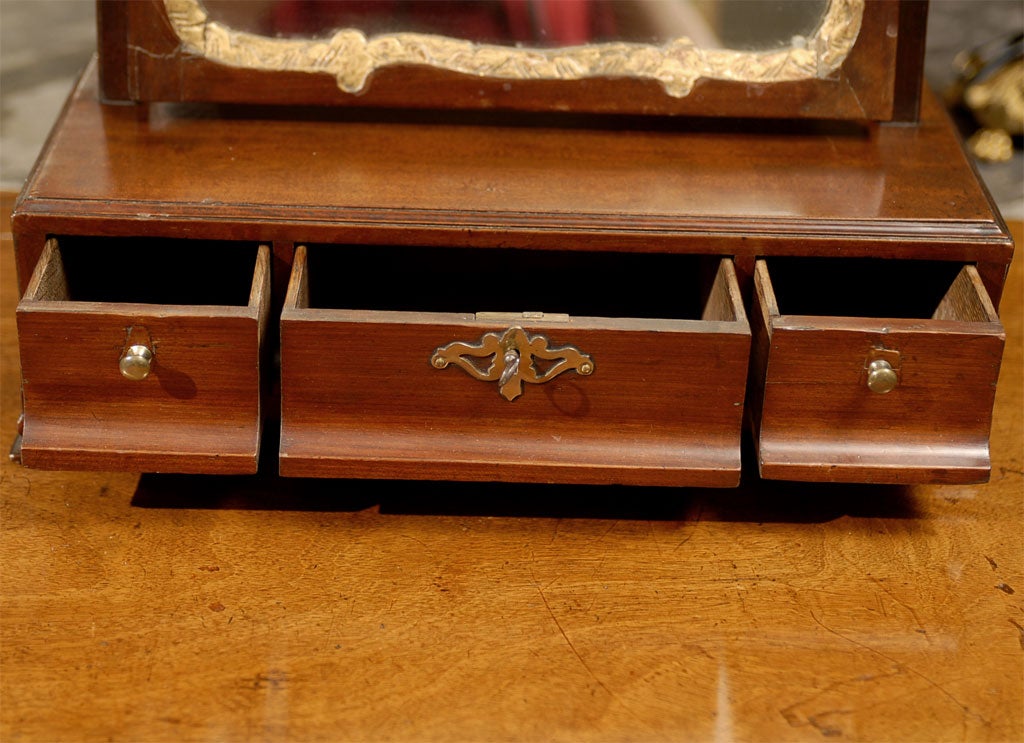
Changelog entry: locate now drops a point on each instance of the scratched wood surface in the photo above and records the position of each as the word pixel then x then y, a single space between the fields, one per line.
pixel 219 609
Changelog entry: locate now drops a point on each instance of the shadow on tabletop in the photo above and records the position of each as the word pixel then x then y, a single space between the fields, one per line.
pixel 755 500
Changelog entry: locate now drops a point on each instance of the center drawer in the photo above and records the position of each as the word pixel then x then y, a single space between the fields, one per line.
pixel 512 365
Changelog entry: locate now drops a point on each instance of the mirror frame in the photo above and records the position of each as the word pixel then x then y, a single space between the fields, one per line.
pixel 150 51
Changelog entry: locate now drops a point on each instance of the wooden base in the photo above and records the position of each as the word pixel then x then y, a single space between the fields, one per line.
pixel 646 243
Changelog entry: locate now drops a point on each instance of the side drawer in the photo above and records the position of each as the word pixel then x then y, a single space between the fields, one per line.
pixel 873 371
pixel 368 391
pixel 144 355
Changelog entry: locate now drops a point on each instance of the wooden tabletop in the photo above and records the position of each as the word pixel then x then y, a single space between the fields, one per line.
pixel 221 609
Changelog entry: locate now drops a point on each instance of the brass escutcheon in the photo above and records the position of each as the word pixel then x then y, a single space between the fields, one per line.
pixel 512 353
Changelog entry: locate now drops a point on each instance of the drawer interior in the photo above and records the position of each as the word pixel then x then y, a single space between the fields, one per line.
pixel 877 288
pixel 576 283
pixel 150 271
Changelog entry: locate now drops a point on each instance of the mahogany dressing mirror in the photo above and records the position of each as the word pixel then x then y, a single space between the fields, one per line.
pixel 845 59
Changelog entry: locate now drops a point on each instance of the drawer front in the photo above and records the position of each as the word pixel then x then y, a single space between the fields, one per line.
pixel 362 398
pixel 155 388
pixel 851 399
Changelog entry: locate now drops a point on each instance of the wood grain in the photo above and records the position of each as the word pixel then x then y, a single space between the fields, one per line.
pixel 198 411
pixel 663 407
pixel 819 421
pixel 220 609
pixel 740 188
pixel 546 186
pixel 966 300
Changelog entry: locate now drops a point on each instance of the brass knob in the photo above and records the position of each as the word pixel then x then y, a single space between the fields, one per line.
pixel 135 363
pixel 882 378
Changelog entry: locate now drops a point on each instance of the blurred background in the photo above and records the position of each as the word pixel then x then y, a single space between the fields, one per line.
pixel 45 43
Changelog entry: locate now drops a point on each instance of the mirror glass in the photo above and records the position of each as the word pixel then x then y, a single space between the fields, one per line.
pixel 743 25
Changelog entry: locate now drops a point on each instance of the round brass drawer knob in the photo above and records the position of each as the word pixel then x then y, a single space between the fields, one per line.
pixel 135 363
pixel 882 377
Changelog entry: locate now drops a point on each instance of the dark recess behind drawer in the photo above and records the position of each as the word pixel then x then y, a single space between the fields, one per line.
pixel 157 271
pixel 593 284
pixel 860 287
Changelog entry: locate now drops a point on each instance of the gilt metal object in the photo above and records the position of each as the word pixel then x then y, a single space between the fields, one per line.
pixel 883 370
pixel 513 355
pixel 881 377
pixel 135 363
pixel 352 56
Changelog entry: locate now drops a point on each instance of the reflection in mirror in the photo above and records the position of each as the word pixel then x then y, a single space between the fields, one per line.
pixel 674 42
pixel 755 25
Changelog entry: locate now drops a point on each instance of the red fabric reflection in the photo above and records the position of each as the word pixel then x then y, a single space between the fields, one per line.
pixel 527 22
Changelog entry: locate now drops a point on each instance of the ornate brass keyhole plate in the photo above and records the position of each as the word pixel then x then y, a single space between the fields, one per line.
pixel 513 354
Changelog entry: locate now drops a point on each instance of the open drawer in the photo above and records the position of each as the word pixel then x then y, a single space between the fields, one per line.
pixel 873 370
pixel 632 372
pixel 148 364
